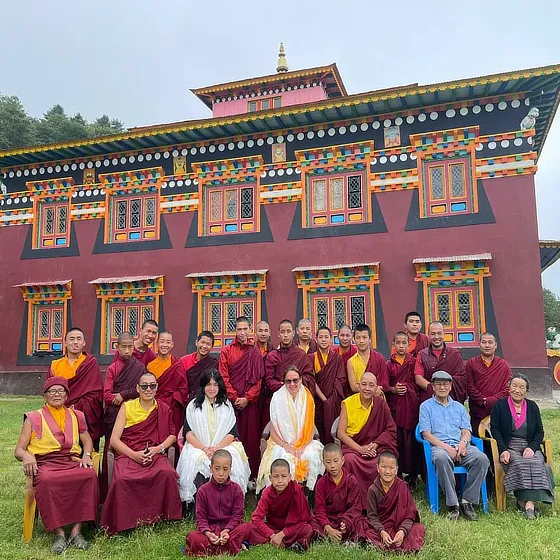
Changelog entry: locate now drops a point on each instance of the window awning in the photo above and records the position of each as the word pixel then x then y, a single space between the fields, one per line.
pixel 228 282
pixel 550 253
pixel 48 291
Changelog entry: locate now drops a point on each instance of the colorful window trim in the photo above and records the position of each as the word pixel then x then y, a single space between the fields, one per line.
pixel 230 209
pixel 342 308
pixel 126 303
pixel 264 104
pixel 338 294
pixel 127 317
pixel 53 227
pixel 220 313
pixel 134 218
pixel 448 186
pixel 47 314
pixel 336 199
pixel 454 295
pixel 457 308
pixel 223 296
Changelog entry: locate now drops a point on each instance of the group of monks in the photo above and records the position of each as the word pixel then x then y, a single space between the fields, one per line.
pixel 139 432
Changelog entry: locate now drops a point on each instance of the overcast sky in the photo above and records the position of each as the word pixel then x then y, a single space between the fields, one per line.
pixel 137 60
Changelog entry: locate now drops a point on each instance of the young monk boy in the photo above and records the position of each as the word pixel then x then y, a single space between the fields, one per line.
pixel 338 505
pixel 282 517
pixel 391 511
pixel 219 511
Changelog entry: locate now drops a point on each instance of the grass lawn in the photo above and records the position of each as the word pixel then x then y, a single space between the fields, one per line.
pixel 498 535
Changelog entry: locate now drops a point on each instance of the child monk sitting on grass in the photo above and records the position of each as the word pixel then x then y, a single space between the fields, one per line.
pixel 282 517
pixel 391 511
pixel 219 511
pixel 338 504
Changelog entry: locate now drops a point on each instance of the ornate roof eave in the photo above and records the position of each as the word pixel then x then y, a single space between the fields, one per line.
pixel 533 81
pixel 550 253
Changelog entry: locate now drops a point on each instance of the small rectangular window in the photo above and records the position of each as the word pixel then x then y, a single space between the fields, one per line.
pixel 125 317
pixel 219 315
pixel 265 104
pixel 133 219
pixel 228 209
pixel 252 106
pixel 52 227
pixel 277 102
pixel 333 311
pixel 48 328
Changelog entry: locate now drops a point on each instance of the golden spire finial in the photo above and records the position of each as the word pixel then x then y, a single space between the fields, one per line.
pixel 282 62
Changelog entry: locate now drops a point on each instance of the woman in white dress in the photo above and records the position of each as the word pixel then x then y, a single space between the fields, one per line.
pixel 210 425
pixel 292 426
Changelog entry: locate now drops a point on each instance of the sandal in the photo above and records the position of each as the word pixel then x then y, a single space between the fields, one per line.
pixel 78 541
pixel 59 544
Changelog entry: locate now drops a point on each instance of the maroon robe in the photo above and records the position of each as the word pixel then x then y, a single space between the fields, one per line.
pixel 451 361
pixel 288 512
pixel 65 492
pixel 393 512
pixel 86 394
pixel 276 364
pixel 218 507
pixel 422 341
pixel 143 494
pixel 348 354
pixel 486 382
pixel 312 346
pixel 143 357
pixel 335 504
pixel 174 392
pixel 379 428
pixel 405 410
pixel 331 379
pixel 244 376
pixel 195 373
pixel 377 365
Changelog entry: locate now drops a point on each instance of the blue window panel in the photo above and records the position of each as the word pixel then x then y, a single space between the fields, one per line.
pixel 458 206
pixel 61 241
pixel 57 346
pixel 134 235
pixel 231 227
pixel 336 341
pixel 228 341
pixel 465 337
pixel 337 219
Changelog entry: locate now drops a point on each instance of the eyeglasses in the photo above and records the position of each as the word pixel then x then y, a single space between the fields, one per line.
pixel 442 383
pixel 54 392
pixel 290 381
pixel 146 386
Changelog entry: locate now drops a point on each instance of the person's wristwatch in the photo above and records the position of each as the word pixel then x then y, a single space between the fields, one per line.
pixel 162 449
pixel 88 454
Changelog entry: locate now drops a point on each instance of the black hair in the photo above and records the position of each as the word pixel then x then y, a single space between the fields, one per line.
pixel 412 314
pixel 146 373
pixel 332 448
pixel 520 376
pixel 287 321
pixel 279 463
pixel 72 329
pixel 150 322
pixel 291 368
pixel 324 328
pixel 387 455
pixel 166 332
pixel 362 327
pixel 242 319
pixel 208 375
pixel 207 334
pixel 124 336
pixel 221 453
pixel 400 333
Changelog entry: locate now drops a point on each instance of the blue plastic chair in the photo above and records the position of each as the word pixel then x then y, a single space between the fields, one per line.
pixel 432 485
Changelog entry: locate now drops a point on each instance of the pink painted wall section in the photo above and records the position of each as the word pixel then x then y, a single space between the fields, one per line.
pixel 293 97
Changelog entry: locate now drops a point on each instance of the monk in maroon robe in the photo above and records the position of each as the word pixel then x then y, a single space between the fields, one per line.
pixel 416 340
pixel 303 338
pixel 172 380
pixel 345 347
pixel 440 357
pixel 85 384
pixel 242 369
pixel 144 487
pixel 198 362
pixel 142 349
pixel 219 513
pixel 363 442
pixel 282 516
pixel 488 378
pixel 404 403
pixel 392 513
pixel 330 379
pixel 338 512
pixel 121 380
pixel 262 332
pixel 287 354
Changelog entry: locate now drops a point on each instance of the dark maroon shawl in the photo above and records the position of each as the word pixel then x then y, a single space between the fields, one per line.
pixel 404 408
pixel 422 341
pixel 331 379
pixel 278 360
pixel 247 371
pixel 335 504
pixel 377 365
pixel 490 383
pixel 125 384
pixel 86 394
pixel 450 361
pixel 174 392
pixel 143 357
pixel 312 345
pixel 349 353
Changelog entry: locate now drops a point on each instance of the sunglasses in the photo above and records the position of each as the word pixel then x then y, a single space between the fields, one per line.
pixel 290 381
pixel 146 386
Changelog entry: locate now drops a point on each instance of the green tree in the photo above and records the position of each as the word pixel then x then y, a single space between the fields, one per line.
pixel 17 128
pixel 551 309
